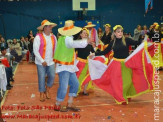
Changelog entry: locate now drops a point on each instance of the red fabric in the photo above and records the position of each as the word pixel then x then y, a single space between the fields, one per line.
pixel 99 58
pixel 130 48
pixel 111 81
pixel 27 56
pixel 5 62
pixel 80 66
pixel 151 50
pixel 139 80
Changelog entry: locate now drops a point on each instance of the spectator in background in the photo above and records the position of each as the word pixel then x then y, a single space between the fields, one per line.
pixel 22 43
pixel 137 33
pixel 145 30
pixel 106 38
pixel 30 47
pixel 100 33
pixel 30 34
pixel 16 51
pixel 129 35
pixel 26 42
pixel 3 43
pixel 23 46
pixel 8 69
pixel 151 32
pixel 9 57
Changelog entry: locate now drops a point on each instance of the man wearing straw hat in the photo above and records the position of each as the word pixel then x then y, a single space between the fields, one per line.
pixel 93 32
pixel 44 49
pixel 66 65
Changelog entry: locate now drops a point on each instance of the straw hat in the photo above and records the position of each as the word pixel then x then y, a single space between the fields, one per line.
pixel 69 29
pixel 89 24
pixel 46 22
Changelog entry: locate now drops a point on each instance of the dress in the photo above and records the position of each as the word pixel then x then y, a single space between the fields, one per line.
pixel 125 76
pixel 83 73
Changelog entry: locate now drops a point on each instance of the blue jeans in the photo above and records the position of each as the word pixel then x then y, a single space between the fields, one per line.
pixel 42 71
pixel 67 78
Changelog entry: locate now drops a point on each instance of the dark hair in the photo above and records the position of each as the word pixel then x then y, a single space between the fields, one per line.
pixel 3 48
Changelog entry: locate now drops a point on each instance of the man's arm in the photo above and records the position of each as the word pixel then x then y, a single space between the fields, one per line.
pixel 70 43
pixel 36 46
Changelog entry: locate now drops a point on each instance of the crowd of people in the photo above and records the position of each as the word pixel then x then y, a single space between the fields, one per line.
pixel 13 52
pixel 72 59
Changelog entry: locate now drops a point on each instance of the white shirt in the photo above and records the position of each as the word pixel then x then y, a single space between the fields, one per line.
pixel 3 78
pixel 49 50
pixel 71 44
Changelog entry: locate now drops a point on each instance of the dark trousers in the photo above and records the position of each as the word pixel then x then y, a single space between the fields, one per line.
pixel 9 74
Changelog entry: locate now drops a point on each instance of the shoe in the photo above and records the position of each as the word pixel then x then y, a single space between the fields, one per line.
pixel 42 96
pixel 129 99
pixel 85 94
pixel 73 108
pixel 59 108
pixel 124 103
pixel 8 88
pixel 10 85
pixel 12 79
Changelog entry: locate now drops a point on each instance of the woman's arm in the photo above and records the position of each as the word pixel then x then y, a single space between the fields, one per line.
pixel 108 49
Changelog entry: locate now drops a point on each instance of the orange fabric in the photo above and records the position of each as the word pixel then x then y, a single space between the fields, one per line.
pixel 66 63
pixel 89 23
pixel 82 60
pixel 44 22
pixel 68 28
pixel 52 39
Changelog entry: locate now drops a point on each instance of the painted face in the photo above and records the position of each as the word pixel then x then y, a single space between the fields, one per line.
pixel 119 33
pixel 84 34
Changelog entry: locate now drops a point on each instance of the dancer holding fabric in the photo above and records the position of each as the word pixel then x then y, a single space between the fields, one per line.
pixel 82 54
pixel 125 76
